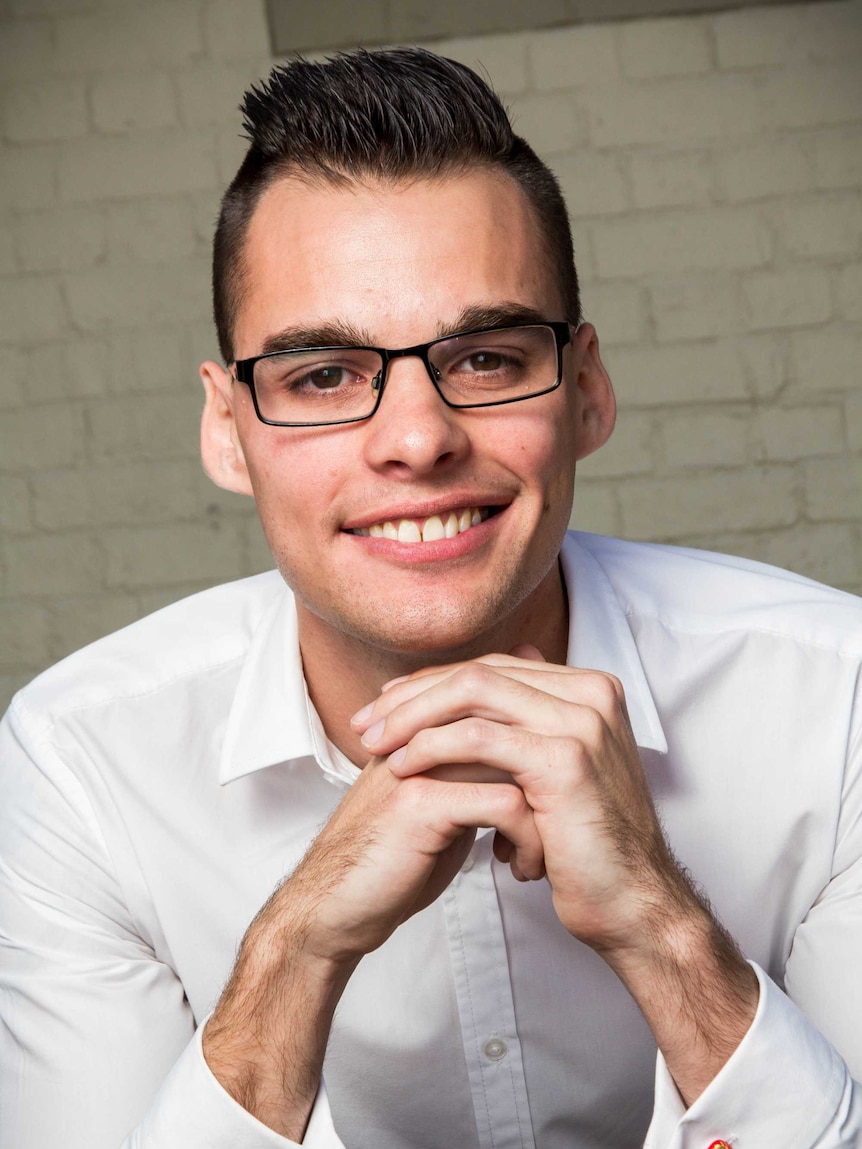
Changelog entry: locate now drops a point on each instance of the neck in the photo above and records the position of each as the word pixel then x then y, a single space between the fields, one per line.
pixel 344 672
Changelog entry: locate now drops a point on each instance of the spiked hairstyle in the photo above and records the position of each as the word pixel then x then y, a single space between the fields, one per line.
pixel 391 115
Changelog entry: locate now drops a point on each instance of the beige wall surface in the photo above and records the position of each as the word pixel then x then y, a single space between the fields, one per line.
pixel 713 167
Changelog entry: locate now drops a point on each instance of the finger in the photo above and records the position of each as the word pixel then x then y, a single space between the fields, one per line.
pixel 528 651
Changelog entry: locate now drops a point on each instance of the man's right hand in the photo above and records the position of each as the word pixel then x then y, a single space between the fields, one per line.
pixel 389 850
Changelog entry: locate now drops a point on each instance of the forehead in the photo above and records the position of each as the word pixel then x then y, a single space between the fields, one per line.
pixel 397 260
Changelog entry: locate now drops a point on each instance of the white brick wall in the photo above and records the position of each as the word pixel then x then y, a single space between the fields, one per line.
pixel 713 166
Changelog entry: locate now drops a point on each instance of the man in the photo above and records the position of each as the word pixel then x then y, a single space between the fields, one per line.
pixel 444 745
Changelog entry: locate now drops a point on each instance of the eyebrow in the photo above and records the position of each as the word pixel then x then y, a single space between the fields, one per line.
pixel 340 334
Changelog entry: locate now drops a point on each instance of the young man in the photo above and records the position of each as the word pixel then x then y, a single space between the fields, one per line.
pixel 444 745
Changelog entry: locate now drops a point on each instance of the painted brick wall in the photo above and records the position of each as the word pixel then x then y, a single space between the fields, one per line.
pixel 713 166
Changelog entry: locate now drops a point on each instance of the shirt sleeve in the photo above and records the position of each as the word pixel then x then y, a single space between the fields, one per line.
pixel 784 1085
pixel 787 1083
pixel 98 1046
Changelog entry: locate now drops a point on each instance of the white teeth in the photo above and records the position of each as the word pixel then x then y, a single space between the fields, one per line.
pixel 433 530
pixel 435 527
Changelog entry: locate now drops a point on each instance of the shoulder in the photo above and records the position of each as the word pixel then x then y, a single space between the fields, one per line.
pixel 705 592
pixel 184 641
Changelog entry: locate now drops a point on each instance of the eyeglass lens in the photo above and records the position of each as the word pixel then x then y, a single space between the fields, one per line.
pixel 341 383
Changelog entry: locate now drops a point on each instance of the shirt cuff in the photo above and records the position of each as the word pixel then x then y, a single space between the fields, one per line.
pixel 783 1085
pixel 192 1109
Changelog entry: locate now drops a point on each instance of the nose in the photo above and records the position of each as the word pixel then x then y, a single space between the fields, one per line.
pixel 413 431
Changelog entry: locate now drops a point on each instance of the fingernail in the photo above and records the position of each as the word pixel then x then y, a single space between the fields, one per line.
pixel 398 757
pixel 373 733
pixel 362 715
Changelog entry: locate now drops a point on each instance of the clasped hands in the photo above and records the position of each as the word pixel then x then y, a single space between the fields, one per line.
pixel 542 753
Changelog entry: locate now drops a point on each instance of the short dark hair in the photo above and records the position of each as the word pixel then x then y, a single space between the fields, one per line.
pixel 394 114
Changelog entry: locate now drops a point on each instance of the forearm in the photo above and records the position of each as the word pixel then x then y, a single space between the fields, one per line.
pixel 696 991
pixel 266 1039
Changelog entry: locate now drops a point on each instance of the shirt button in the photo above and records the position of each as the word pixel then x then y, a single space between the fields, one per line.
pixel 495 1049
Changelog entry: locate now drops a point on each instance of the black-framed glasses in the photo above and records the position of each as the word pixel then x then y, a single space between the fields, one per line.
pixel 320 386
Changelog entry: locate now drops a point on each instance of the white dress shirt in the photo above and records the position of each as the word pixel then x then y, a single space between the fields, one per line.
pixel 159 784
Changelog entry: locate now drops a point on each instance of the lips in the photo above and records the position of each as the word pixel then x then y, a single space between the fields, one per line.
pixel 426 530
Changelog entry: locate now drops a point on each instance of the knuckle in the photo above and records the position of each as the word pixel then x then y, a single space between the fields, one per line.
pixel 472 678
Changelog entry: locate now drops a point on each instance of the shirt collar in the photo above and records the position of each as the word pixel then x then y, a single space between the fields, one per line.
pixel 273 720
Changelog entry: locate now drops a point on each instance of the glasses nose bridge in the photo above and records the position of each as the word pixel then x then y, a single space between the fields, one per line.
pixel 420 351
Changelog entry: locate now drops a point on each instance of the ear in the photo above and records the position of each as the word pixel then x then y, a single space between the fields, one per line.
pixel 596 404
pixel 221 451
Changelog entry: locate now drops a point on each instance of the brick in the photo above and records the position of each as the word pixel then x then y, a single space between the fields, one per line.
pixel 130 103
pixel 13 379
pixel 158 556
pixel 670 179
pixel 833 488
pixel 115 168
pixel 31 309
pixel 8 256
pixel 811 98
pixel 26 48
pixel 618 313
pixel 45 7
pixel 150 230
pixel 695 308
pixel 14 504
pixel 629 451
pixel 64 238
pixel 669 47
pixel 234 29
pixel 827 552
pixel 853 418
pixel 36 437
pixel 762 37
pixel 24 631
pixel 73 369
pixel 592 184
pixel 125 494
pixel 675 112
pixel 706 439
pixel 688 373
pixel 826 361
pixel 828 226
pixel 765 360
pixel 136 296
pixel 79 620
pixel 549 123
pixel 152 359
pixel 848 291
pixel 748 499
pixel 800 432
pixel 50 110
pixel 48 565
pixel 584 55
pixel 503 58
pixel 769 168
pixel 29 178
pixel 145 427
pixel 211 96
pixel 155 34
pixel 230 150
pixel 838 159
pixel 786 298
pixel 152 599
pixel 677 241
pixel 595 508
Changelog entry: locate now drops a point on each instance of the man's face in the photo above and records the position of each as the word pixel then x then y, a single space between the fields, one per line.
pixel 399 265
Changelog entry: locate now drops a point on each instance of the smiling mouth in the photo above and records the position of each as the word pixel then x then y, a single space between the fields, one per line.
pixel 430 530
